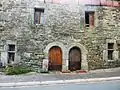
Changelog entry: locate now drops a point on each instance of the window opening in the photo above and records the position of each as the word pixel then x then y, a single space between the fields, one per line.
pixel 38 16
pixel 110 51
pixel 11 53
pixel 89 19
pixel 118 51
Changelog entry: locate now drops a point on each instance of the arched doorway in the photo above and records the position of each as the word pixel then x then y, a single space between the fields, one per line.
pixel 74 59
pixel 55 58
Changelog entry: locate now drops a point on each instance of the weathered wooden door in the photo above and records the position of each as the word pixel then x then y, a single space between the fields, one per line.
pixel 55 58
pixel 75 59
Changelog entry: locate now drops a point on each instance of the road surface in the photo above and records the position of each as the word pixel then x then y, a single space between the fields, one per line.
pixel 104 85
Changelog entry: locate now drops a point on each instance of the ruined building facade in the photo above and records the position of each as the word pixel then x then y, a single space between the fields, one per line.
pixel 46 36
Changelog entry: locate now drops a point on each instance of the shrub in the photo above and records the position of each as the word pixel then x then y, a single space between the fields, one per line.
pixel 15 69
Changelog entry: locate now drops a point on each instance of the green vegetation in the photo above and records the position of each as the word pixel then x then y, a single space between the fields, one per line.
pixel 16 69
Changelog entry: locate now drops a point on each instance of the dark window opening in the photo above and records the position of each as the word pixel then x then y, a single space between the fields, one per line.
pixel 89 19
pixel 11 48
pixel 11 57
pixel 110 54
pixel 110 51
pixel 118 51
pixel 110 45
pixel 11 53
pixel 38 15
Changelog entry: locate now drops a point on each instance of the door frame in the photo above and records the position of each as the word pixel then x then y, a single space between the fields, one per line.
pixel 46 53
pixel 84 52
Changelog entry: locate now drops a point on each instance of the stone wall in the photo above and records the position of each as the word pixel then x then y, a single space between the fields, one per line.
pixel 62 23
pixel 109 18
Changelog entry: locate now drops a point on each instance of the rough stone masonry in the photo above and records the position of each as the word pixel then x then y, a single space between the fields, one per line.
pixel 63 26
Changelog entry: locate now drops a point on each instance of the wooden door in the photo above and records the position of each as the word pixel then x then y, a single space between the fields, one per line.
pixel 55 59
pixel 74 59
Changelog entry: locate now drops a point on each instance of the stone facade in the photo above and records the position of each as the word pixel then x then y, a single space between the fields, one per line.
pixel 62 26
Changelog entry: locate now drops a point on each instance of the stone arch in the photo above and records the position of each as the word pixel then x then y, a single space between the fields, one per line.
pixel 84 62
pixel 50 45
pixel 46 52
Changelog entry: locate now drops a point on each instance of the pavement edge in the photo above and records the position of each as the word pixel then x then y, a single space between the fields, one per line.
pixel 33 83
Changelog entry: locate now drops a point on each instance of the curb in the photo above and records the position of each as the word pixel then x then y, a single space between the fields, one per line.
pixel 105 70
pixel 57 82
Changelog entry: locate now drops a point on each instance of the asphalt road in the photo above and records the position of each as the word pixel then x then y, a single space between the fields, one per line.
pixel 54 77
pixel 105 85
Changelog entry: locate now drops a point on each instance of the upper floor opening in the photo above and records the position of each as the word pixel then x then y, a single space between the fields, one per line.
pixel 38 15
